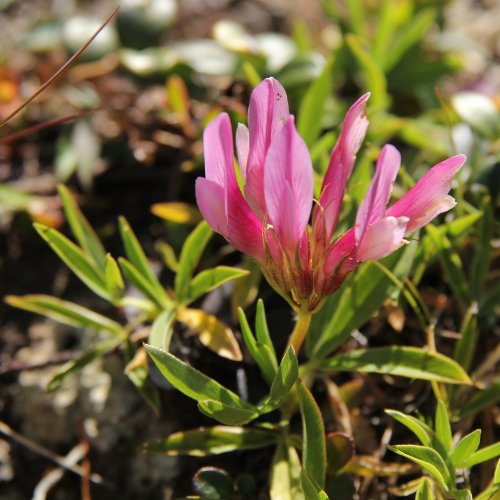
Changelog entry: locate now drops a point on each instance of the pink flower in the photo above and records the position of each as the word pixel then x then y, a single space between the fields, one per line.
pixel 269 220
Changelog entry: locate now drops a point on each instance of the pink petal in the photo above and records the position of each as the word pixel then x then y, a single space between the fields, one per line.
pixel 288 185
pixel 429 197
pixel 373 206
pixel 341 164
pixel 210 199
pixel 267 113
pixel 340 250
pixel 218 148
pixel 242 146
pixel 382 238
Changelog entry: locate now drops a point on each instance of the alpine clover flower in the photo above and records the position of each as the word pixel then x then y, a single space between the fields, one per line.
pixel 268 218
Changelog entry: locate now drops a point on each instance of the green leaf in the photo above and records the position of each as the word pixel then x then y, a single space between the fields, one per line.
pixel 285 474
pixel 140 282
pixel 162 329
pixel 313 430
pixel 356 303
pixel 496 476
pixel 466 345
pixel 265 359
pixel 428 459
pixel 286 376
pixel 465 448
pixel 190 257
pixel 262 331
pixel 212 441
pixel 442 426
pixel 409 362
pixel 82 230
pixel 311 490
pixel 312 106
pixel 138 259
pixel 212 278
pixel 452 266
pixel 423 432
pixel 410 34
pixel 113 278
pixel 482 250
pixel 483 455
pixel 65 312
pixel 75 259
pixel 74 366
pixel 424 491
pixel 481 400
pixel 192 382
pixel 357 17
pixel 373 77
pixel 227 414
pixel 137 371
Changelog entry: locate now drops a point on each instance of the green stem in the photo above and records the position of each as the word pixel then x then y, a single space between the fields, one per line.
pixel 300 330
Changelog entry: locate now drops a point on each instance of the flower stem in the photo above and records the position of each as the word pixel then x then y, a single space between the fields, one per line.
pixel 300 330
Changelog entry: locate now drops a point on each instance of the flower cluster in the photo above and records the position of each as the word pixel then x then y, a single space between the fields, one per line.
pixel 268 218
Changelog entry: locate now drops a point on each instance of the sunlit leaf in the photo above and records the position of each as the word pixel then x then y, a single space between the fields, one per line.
pixel 285 474
pixel 214 334
pixel 423 432
pixel 210 279
pixel 162 329
pixel 113 278
pixel 138 259
pixel 192 382
pixel 189 258
pixel 82 230
pixel 311 489
pixel 75 259
pixel 212 441
pixel 428 458
pixel 483 455
pixel 442 426
pixel 409 362
pixel 227 414
pixel 424 491
pixel 65 312
pixel 465 448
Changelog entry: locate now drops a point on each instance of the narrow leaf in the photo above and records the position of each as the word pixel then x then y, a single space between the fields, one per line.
pixel 285 474
pixel 212 278
pixel 189 258
pixel 162 329
pixel 481 400
pixel 192 382
pixel 226 414
pixel 75 259
pixel 81 229
pixel 442 426
pixel 427 458
pixel 465 448
pixel 139 281
pixel 212 441
pixel 138 259
pixel 409 362
pixel 113 278
pixel 314 446
pixel 483 455
pixel 65 312
pixel 424 491
pixel 423 432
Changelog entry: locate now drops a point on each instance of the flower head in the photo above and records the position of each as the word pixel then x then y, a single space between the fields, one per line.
pixel 269 220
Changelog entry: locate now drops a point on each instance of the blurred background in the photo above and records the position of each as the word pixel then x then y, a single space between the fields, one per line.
pixel 138 98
